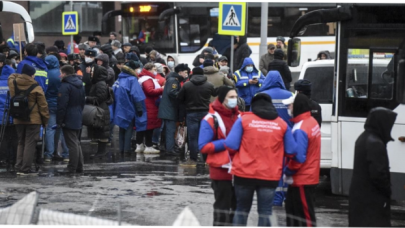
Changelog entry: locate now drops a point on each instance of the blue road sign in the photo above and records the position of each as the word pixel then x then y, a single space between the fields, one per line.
pixel 70 23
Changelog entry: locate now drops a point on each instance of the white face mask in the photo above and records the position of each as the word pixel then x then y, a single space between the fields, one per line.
pixel 232 102
pixel 138 71
pixel 88 60
pixel 290 112
pixel 170 64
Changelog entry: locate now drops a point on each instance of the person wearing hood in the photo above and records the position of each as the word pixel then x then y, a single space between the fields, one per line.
pixel 41 70
pixel 172 62
pixel 215 126
pixel 199 59
pixel 107 49
pixel 281 66
pixel 153 93
pixel 248 81
pixel 323 55
pixel 86 67
pixel 214 76
pixel 76 42
pixel 71 101
pixel 370 187
pixel 10 140
pixel 170 111
pixel 302 170
pixel 127 103
pixel 242 51
pixel 102 60
pixel 267 58
pixel 134 49
pixel 259 140
pixel 28 130
pixel 13 56
pixel 99 95
pixel 195 95
pixel 160 74
pixel 155 57
pixel 51 95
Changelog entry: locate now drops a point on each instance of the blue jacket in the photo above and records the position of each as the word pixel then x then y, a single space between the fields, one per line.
pixel 273 85
pixel 127 93
pixel 15 44
pixel 53 81
pixel 7 70
pixel 70 102
pixel 41 74
pixel 246 90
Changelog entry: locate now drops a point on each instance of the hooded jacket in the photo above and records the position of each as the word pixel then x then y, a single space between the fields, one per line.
pixel 326 53
pixel 305 165
pixel 5 73
pixel 196 61
pixel 153 92
pixel 53 81
pixel 216 78
pixel 370 188
pixel 273 86
pixel 241 52
pixel 41 74
pixel 99 95
pixel 196 93
pixel 211 140
pixel 106 64
pixel 176 62
pixel 128 98
pixel 281 66
pixel 36 99
pixel 169 108
pixel 246 90
pixel 70 103
pixel 259 140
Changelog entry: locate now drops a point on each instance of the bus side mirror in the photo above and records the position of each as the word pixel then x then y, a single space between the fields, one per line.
pixel 401 81
pixel 294 52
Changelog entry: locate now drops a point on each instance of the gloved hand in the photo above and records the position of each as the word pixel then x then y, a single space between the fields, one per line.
pixel 139 113
pixel 288 179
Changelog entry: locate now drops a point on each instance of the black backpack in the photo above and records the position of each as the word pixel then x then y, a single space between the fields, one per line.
pixel 19 108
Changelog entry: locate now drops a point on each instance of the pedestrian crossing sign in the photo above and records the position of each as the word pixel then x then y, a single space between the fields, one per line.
pixel 232 18
pixel 70 23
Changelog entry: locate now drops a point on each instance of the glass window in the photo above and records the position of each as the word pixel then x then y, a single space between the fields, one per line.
pixel 322 83
pixel 383 76
pixel 50 14
pixel 357 74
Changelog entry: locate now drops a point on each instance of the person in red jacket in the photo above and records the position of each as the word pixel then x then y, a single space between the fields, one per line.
pixel 153 92
pixel 215 126
pixel 302 171
pixel 260 140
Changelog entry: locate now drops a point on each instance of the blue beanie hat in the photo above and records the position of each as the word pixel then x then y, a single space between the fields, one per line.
pixel 28 70
pixel 132 56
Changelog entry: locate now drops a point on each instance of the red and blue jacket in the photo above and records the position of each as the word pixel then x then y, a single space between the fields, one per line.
pixel 260 146
pixel 211 142
pixel 305 165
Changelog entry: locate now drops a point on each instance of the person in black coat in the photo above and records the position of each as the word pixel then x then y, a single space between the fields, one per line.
pixel 169 108
pixel 304 87
pixel 71 100
pixel 281 66
pixel 86 66
pixel 242 51
pixel 99 96
pixel 370 189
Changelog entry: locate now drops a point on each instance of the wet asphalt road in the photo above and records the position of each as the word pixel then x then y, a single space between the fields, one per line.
pixel 150 190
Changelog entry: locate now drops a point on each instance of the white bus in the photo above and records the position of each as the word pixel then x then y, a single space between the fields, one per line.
pixel 364 31
pixel 12 7
pixel 185 28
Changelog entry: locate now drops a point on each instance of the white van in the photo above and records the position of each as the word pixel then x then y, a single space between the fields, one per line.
pixel 321 74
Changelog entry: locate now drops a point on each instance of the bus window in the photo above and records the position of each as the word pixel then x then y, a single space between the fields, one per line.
pixel 357 74
pixel 382 77
pixel 322 83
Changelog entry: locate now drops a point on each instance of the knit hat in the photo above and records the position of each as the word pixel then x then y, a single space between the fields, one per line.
pixel 183 67
pixel 77 38
pixel 209 56
pixel 92 38
pixel 96 33
pixel 159 68
pixel 62 54
pixel 113 33
pixel 223 58
pixel 51 49
pixel 303 86
pixel 90 52
pixel 116 43
pixel 132 56
pixel 271 46
pixel 198 71
pixel 133 65
pixel 28 70
pixel 82 47
pixel 59 43
pixel 73 56
pixel 223 91
pixel 280 38
pixel 208 62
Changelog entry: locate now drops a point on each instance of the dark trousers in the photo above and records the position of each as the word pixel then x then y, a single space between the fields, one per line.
pixel 225 202
pixel 299 206
pixel 76 160
pixel 28 134
pixel 147 135
pixel 125 138
pixel 193 120
pixel 170 131
pixel 9 144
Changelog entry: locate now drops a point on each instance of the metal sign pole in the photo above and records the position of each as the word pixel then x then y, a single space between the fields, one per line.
pixel 232 37
pixel 71 36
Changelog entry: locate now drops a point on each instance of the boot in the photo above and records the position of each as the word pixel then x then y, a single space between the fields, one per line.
pixel 101 149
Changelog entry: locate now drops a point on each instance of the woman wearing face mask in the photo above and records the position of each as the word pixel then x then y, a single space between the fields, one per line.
pixel 172 62
pixel 223 111
pixel 153 92
pixel 248 80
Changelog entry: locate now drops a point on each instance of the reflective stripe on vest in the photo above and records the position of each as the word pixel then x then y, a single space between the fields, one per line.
pixel 10 40
pixel 236 75
pixel 41 73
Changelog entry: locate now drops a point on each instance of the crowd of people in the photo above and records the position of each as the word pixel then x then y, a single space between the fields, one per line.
pixel 245 125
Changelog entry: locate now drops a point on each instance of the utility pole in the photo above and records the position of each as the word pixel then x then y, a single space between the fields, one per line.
pixel 263 29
